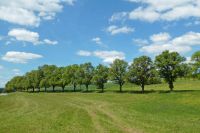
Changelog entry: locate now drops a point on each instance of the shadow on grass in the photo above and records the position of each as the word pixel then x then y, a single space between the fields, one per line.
pixel 116 91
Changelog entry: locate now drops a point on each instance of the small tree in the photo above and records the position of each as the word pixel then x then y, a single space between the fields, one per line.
pixel 168 64
pixel 118 71
pixel 141 71
pixel 88 70
pixel 53 78
pixel 63 77
pixel 196 64
pixel 72 74
pixel 100 76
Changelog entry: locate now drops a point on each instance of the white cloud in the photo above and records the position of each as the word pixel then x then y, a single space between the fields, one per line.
pixel 109 56
pixel 166 10
pixel 24 35
pixel 84 53
pixel 21 34
pixel 47 41
pixel 30 12
pixel 121 16
pixel 106 56
pixel 97 40
pixel 20 57
pixel 147 14
pixel 180 44
pixel 190 39
pixel 140 42
pixel 113 30
pixel 160 38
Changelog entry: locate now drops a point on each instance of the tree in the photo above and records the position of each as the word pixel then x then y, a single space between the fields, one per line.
pixel 141 71
pixel 118 71
pixel 54 77
pixel 168 64
pixel 34 77
pixel 63 77
pixel 72 74
pixel 88 70
pixel 100 76
pixel 196 65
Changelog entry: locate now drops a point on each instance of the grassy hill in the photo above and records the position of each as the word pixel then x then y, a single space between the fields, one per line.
pixel 156 111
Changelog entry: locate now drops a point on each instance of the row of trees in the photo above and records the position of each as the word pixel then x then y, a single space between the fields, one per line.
pixel 142 71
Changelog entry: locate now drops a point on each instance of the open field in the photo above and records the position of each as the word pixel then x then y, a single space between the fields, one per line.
pixel 156 111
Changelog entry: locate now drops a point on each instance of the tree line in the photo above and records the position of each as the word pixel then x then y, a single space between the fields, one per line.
pixel 142 71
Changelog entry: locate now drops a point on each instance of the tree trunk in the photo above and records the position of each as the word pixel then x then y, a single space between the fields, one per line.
pixel 63 88
pixel 53 88
pixel 33 89
pixel 102 88
pixel 120 87
pixel 38 89
pixel 86 87
pixel 45 89
pixel 27 89
pixel 171 86
pixel 142 86
pixel 74 87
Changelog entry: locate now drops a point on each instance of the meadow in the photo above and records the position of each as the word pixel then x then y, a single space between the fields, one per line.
pixel 155 111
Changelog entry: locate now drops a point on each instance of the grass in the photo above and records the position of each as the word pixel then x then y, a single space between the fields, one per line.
pixel 157 111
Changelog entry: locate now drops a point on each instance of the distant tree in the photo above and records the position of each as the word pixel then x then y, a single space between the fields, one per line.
pixel 16 84
pixel 168 64
pixel 196 65
pixel 44 83
pixel 100 76
pixel 88 70
pixel 72 74
pixel 118 71
pixel 185 70
pixel 46 71
pixel 54 77
pixel 63 77
pixel 141 71
pixel 34 78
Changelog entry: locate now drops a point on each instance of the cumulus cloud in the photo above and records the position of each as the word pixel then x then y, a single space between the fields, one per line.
pixel 162 10
pixel 30 12
pixel 47 41
pixel 20 57
pixel 180 44
pixel 84 53
pixel 97 40
pixel 119 16
pixel 160 38
pixel 106 56
pixel 140 42
pixel 113 30
pixel 22 34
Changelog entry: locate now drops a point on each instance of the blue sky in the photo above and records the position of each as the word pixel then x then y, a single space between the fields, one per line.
pixel 63 32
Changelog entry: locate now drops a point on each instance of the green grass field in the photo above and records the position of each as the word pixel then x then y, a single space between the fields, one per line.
pixel 156 111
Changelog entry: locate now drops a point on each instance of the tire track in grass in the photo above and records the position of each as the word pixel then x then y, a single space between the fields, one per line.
pixel 101 107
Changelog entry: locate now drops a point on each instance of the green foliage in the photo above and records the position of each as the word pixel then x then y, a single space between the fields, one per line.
pixel 196 64
pixel 118 72
pixel 168 64
pixel 100 76
pixel 88 71
pixel 72 75
pixel 141 71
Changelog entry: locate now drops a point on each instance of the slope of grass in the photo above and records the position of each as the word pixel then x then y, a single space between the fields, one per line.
pixel 157 111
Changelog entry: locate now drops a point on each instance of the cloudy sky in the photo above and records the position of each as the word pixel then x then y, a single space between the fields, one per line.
pixel 63 32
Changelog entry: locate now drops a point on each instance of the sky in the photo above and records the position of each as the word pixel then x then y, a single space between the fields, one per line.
pixel 64 32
